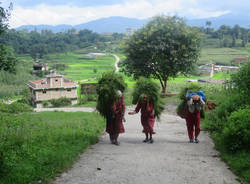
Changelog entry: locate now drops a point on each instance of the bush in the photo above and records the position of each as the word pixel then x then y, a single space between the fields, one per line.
pixel 60 102
pixel 83 99
pixel 15 107
pixel 45 103
pixel 236 134
pixel 241 80
pixel 92 97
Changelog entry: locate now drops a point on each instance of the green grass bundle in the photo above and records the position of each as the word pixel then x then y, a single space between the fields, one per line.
pixel 147 87
pixel 191 88
pixel 106 90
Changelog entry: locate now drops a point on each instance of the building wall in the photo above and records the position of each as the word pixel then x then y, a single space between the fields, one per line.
pixel 55 94
pixel 55 82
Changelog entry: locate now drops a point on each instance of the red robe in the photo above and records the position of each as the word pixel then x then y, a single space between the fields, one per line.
pixel 193 122
pixel 115 126
pixel 147 116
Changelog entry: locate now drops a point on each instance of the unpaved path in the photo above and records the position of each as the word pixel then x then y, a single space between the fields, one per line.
pixel 117 60
pixel 67 109
pixel 170 160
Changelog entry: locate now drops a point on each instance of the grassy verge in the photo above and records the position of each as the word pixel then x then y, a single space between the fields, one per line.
pixel 36 146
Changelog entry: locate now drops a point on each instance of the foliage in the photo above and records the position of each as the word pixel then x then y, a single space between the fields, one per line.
pixel 236 134
pixel 147 87
pixel 15 84
pixel 229 124
pixel 4 17
pixel 15 108
pixel 38 44
pixel 35 147
pixel 241 80
pixel 164 47
pixel 106 90
pixel 7 59
pixel 83 99
pixel 60 102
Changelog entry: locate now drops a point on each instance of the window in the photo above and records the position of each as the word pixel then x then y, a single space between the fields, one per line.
pixel 68 89
pixel 44 91
pixel 56 80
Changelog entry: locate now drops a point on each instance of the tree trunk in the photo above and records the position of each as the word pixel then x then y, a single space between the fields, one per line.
pixel 164 87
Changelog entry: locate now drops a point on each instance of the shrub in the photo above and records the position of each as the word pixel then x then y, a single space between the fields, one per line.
pixel 15 107
pixel 92 97
pixel 83 99
pixel 236 134
pixel 45 103
pixel 241 79
pixel 63 101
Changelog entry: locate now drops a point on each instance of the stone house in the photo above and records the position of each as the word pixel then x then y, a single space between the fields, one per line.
pixel 54 86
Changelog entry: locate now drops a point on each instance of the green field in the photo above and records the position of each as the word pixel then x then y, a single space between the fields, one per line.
pixel 221 56
pixel 81 67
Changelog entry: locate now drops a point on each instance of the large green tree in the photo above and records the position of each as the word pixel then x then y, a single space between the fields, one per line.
pixel 4 15
pixel 7 58
pixel 164 47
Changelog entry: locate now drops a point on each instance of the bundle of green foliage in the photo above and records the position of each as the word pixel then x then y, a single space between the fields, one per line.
pixel 193 87
pixel 15 108
pixel 145 86
pixel 106 89
pixel 60 102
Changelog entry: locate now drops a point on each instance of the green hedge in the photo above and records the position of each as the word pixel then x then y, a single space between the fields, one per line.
pixel 15 107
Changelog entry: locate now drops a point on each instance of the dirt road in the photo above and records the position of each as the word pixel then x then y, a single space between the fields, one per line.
pixel 117 60
pixel 169 160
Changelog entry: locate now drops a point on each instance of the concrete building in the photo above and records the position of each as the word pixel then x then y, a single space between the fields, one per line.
pixel 54 86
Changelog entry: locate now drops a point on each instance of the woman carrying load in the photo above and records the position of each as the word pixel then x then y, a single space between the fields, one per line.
pixel 195 105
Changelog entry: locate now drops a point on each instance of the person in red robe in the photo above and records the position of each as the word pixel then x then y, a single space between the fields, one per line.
pixel 147 117
pixel 115 119
pixel 195 105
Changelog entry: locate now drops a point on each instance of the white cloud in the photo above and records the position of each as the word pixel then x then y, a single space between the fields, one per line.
pixel 53 15
pixel 198 13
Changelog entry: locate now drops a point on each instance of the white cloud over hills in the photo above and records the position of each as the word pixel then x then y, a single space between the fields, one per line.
pixel 72 14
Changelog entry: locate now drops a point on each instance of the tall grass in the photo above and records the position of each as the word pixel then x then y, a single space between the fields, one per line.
pixel 36 146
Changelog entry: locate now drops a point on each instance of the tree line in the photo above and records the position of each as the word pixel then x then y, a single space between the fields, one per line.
pixel 38 44
pixel 227 36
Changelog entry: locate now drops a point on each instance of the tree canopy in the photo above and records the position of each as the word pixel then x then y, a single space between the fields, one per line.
pixel 7 58
pixel 164 47
pixel 4 15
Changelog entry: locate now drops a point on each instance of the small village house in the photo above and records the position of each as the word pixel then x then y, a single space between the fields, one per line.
pixel 54 86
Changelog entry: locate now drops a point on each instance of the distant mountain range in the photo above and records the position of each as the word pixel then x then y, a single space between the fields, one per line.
pixel 120 24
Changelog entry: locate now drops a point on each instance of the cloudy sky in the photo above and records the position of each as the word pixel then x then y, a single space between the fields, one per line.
pixel 54 12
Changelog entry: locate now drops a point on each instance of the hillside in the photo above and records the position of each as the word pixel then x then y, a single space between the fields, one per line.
pixel 120 24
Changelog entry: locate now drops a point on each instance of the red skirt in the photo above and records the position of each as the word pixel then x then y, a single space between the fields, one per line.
pixel 148 124
pixel 115 127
